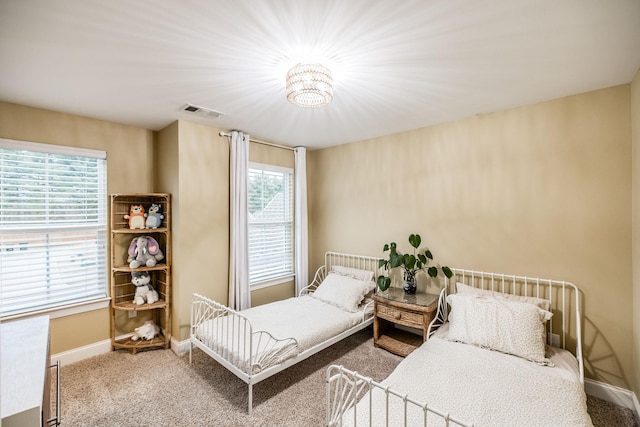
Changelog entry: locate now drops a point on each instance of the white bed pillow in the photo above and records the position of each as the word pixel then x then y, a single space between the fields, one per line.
pixel 511 327
pixel 461 288
pixel 342 291
pixel 364 275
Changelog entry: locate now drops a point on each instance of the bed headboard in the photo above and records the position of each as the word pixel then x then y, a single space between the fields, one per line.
pixel 564 330
pixel 360 262
pixel 353 261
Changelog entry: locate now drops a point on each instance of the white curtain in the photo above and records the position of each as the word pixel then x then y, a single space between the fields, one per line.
pixel 301 233
pixel 239 292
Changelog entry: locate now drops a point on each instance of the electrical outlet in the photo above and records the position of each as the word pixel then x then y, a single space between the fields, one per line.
pixel 132 313
pixel 554 339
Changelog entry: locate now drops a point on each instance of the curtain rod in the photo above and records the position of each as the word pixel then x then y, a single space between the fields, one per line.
pixel 257 141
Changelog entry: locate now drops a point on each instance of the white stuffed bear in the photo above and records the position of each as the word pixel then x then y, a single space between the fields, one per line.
pixel 146 332
pixel 144 289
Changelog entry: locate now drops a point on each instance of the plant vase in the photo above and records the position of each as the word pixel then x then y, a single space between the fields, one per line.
pixel 409 284
pixel 382 293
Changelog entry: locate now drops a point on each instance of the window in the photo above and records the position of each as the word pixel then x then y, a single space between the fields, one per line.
pixel 53 226
pixel 270 204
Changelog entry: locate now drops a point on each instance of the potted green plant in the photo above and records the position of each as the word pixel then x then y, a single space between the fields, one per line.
pixel 410 264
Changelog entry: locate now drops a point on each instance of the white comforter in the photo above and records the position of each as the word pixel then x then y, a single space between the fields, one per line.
pixel 292 326
pixel 482 387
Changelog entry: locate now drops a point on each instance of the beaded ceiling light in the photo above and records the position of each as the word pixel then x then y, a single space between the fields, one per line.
pixel 309 85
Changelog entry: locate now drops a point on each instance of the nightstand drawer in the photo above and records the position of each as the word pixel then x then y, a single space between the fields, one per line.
pixel 402 317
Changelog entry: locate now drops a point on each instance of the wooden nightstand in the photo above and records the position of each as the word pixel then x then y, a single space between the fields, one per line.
pixel 394 307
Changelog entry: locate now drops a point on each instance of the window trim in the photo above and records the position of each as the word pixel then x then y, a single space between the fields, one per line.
pixel 274 281
pixel 52 148
pixel 63 311
pixel 289 276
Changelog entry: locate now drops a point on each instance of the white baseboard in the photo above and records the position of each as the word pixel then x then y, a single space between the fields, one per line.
pixel 180 347
pixel 85 352
pixel 613 394
pixel 101 347
pixel 81 353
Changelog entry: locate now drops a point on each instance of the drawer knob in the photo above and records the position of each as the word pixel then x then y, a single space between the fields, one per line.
pixel 396 316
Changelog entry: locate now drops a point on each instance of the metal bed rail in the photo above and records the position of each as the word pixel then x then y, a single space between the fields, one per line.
pixel 346 389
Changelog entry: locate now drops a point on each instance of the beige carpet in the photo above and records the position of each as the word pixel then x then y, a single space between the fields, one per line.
pixel 158 388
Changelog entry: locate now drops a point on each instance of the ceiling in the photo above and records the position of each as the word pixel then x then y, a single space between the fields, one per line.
pixel 397 65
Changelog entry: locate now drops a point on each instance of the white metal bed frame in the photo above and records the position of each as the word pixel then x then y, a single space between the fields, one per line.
pixel 344 388
pixel 261 342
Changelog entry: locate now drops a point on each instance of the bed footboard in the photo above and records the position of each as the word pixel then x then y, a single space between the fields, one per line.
pixel 354 400
pixel 230 335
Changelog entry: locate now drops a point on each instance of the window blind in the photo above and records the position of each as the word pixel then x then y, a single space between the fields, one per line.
pixel 53 226
pixel 270 204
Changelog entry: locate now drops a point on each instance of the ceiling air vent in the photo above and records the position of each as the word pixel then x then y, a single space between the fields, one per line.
pixel 203 112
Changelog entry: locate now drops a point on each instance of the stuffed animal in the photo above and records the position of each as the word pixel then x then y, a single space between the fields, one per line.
pixel 136 217
pixel 154 216
pixel 144 289
pixel 144 251
pixel 147 331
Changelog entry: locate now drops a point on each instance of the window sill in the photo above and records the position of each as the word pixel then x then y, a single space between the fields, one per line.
pixel 272 282
pixel 67 310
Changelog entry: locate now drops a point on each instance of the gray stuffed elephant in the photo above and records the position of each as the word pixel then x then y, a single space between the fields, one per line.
pixel 144 251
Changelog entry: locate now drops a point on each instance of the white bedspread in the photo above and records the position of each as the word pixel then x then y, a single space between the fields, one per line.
pixel 482 387
pixel 296 324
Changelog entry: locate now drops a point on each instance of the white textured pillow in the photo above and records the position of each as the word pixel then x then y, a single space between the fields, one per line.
pixel 342 291
pixel 461 288
pixel 364 275
pixel 511 327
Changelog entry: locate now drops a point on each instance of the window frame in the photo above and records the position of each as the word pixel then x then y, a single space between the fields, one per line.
pixel 286 277
pixel 101 297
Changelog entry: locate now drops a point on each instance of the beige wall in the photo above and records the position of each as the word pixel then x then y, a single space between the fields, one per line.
pixel 130 155
pixel 541 190
pixel 635 126
pixel 193 166
pixel 192 163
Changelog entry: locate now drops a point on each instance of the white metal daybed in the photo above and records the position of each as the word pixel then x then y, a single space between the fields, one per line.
pixel 462 376
pixel 260 342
